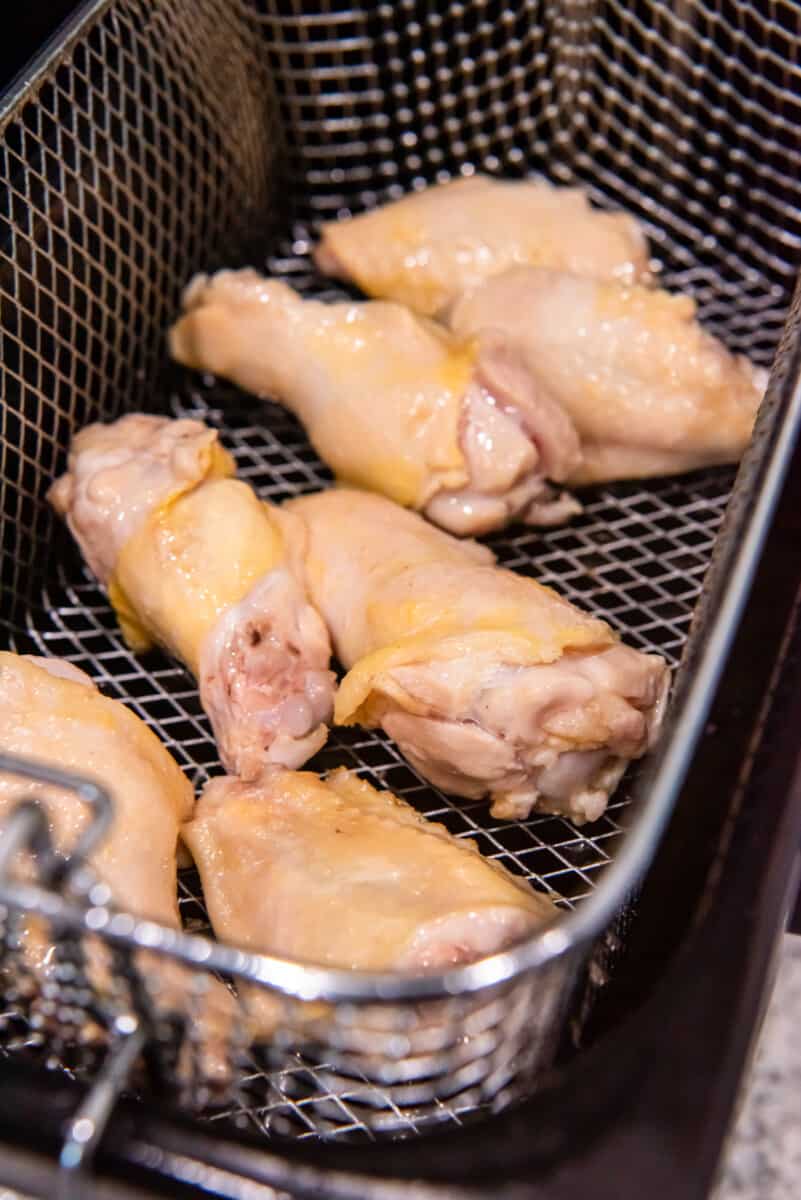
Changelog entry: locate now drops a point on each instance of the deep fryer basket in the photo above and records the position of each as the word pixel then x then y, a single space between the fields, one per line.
pixel 160 137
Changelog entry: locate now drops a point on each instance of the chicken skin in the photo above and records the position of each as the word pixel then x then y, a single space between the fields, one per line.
pixel 428 248
pixel 338 874
pixel 488 682
pixel 194 561
pixel 51 711
pixel 648 390
pixel 393 403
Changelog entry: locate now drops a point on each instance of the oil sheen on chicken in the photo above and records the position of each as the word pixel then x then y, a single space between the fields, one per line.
pixel 194 561
pixel 428 248
pixel 488 682
pixel 338 874
pixel 393 403
pixel 648 390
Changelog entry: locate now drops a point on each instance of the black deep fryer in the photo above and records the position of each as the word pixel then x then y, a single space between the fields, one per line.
pixel 153 138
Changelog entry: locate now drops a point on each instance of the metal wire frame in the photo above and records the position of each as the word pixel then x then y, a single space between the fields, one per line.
pixel 145 148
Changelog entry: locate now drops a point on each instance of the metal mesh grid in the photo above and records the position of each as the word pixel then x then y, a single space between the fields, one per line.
pixel 479 1053
pixel 148 150
pixel 345 1071
pixel 307 1099
pixel 143 152
pixel 637 556
pixel 686 115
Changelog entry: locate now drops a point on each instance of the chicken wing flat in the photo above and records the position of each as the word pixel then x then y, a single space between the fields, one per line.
pixel 391 402
pixel 488 682
pixel 51 711
pixel 338 874
pixel 649 391
pixel 428 248
pixel 194 561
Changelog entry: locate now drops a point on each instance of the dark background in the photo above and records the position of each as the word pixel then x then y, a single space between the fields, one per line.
pixel 32 23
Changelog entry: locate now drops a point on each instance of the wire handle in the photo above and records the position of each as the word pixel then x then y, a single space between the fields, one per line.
pixel 93 794
pixel 86 1128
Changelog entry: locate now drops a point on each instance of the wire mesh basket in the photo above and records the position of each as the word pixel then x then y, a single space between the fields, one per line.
pixel 160 137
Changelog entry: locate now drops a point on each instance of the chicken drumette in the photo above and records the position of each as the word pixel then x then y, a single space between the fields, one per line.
pixel 193 560
pixel 488 682
pixel 455 428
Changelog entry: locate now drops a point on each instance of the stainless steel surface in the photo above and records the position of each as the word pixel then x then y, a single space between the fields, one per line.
pixel 91 793
pixel 156 143
pixel 86 1128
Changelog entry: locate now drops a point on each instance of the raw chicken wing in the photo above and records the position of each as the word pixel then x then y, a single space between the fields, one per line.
pixel 51 711
pixel 428 248
pixel 338 874
pixel 392 402
pixel 649 391
pixel 193 560
pixel 488 682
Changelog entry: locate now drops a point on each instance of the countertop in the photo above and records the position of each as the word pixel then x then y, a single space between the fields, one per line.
pixel 762 1160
